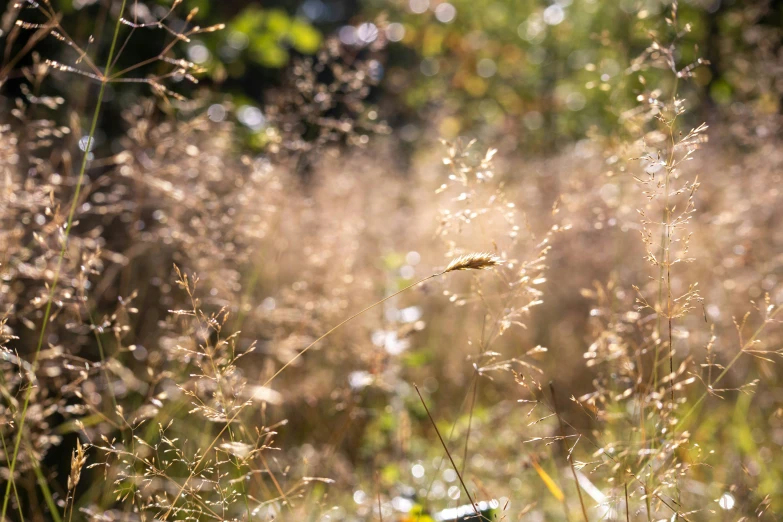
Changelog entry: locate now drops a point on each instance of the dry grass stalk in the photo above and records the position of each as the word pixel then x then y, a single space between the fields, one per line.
pixel 181 440
pixel 475 261
pixel 448 454
pixel 78 460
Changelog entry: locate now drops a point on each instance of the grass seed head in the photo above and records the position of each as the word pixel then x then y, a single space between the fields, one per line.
pixel 474 261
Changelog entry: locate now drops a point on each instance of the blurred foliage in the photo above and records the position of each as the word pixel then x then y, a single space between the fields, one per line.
pixel 529 75
pixel 268 31
pixel 546 72
pixel 532 74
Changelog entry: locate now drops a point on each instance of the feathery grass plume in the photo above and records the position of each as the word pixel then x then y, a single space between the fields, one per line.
pixel 78 460
pixel 474 261
pixel 168 402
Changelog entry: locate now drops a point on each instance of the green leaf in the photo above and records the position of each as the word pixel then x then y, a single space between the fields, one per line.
pixel 721 92
pixel 273 57
pixel 248 21
pixel 265 49
pixel 304 37
pixel 277 22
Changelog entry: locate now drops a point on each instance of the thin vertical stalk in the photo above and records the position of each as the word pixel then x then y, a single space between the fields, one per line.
pixel 66 234
pixel 47 494
pixel 568 455
pixel 448 454
pixel 470 422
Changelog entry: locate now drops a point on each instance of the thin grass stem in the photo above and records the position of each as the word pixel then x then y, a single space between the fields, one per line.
pixel 55 280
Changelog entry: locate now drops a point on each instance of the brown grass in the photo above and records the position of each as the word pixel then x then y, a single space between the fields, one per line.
pixel 267 375
pixel 476 261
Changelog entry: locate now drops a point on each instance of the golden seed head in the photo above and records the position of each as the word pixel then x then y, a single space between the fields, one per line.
pixel 475 261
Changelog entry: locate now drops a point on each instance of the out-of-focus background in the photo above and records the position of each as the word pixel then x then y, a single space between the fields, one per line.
pixel 527 76
pixel 259 172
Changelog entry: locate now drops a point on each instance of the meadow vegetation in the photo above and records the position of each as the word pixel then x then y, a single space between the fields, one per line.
pixel 298 325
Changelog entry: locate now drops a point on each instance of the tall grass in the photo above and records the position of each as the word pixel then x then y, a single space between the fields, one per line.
pixel 55 279
pixel 200 335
